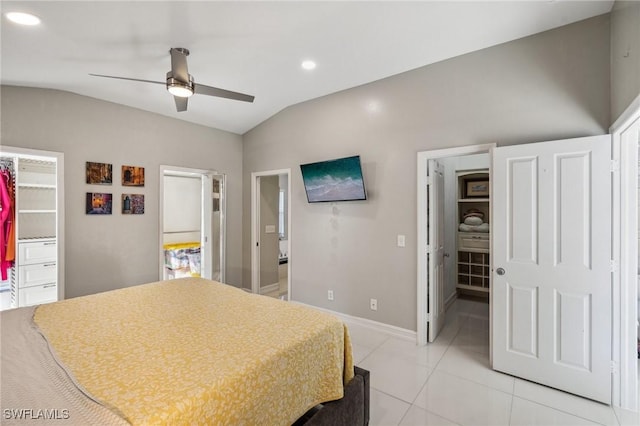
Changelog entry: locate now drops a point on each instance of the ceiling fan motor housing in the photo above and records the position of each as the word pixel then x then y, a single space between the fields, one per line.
pixel 179 88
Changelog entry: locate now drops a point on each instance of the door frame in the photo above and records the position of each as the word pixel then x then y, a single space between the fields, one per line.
pixel 255 223
pixel 205 220
pixel 625 259
pixel 423 270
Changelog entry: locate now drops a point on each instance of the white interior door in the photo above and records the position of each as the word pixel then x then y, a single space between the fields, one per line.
pixel 551 239
pixel 435 252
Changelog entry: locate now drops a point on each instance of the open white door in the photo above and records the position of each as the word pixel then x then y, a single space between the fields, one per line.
pixel 435 251
pixel 551 238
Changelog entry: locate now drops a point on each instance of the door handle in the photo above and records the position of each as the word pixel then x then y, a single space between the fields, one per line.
pixel 500 271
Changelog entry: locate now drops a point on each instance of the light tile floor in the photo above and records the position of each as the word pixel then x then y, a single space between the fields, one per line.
pixel 449 381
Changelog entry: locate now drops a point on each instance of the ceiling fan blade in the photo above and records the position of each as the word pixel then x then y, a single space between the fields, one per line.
pixel 179 64
pixel 201 89
pixel 181 103
pixel 127 78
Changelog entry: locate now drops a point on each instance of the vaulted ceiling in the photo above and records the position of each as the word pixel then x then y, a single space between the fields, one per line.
pixel 254 47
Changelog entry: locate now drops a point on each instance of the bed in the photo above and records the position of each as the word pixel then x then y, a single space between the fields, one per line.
pixel 186 351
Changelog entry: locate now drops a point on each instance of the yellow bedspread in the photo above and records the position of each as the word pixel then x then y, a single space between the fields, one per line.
pixel 194 351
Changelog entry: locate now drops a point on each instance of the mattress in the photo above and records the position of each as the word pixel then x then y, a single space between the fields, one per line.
pixel 194 351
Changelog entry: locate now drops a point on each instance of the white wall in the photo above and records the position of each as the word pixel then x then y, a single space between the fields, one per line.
pixel 182 212
pixel 548 86
pixel 107 252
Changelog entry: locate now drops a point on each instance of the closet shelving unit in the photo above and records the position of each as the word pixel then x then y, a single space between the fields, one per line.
pixel 36 228
pixel 473 256
pixel 35 276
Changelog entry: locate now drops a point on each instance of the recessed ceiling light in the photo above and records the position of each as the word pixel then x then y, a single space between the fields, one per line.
pixel 23 18
pixel 308 65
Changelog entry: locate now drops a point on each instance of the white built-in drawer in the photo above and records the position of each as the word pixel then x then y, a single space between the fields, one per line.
pixel 37 252
pixel 38 274
pixel 473 241
pixel 37 295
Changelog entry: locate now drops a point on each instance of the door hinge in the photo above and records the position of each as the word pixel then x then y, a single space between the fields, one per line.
pixel 613 265
pixel 615 166
pixel 428 317
pixel 614 366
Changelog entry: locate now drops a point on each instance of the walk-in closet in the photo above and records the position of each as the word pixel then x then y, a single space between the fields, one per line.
pixel 467 221
pixel 31 204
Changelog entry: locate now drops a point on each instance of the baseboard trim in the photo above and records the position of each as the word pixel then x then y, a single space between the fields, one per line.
pixel 381 327
pixel 450 300
pixel 269 288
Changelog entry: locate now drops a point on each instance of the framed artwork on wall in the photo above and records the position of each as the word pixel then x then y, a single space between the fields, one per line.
pixel 132 204
pixel 98 203
pixel 99 173
pixel 132 176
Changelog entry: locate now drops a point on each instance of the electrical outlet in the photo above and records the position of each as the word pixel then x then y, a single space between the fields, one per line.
pixel 374 304
pixel 330 295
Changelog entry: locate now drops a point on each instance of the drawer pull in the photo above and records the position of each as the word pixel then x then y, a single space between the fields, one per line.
pixel 50 243
pixel 48 265
pixel 49 285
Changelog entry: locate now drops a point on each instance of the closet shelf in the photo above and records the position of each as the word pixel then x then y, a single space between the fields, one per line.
pixel 472 275
pixel 36 211
pixel 36 239
pixel 473 200
pixel 472 287
pixel 36 186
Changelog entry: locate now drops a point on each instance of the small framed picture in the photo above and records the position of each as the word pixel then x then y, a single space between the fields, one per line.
pixel 132 176
pixel 477 188
pixel 99 173
pixel 98 203
pixel 132 203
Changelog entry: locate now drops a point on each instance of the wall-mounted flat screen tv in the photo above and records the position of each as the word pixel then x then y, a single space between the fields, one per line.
pixel 334 180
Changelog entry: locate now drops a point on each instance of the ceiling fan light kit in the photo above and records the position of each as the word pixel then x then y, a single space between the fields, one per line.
pixel 180 83
pixel 178 88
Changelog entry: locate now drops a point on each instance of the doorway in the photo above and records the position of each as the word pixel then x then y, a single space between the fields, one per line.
pixel 271 233
pixel 192 223
pixel 453 161
pixel 585 162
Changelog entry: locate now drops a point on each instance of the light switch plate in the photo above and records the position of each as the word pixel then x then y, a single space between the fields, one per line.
pixel 401 240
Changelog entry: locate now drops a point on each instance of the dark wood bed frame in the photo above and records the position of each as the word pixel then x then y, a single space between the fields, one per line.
pixel 351 410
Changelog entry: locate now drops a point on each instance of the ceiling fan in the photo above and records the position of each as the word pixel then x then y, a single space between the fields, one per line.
pixel 181 85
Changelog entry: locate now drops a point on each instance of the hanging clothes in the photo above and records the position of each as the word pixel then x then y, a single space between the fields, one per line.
pixel 10 254
pixel 6 222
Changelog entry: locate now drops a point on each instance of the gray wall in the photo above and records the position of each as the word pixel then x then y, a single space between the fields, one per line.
pixel 625 55
pixel 548 86
pixel 108 252
pixel 269 248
